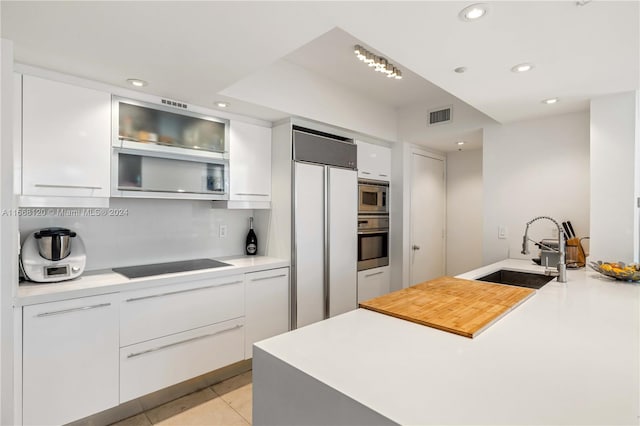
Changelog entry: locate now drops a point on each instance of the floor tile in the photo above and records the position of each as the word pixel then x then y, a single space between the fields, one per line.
pixel 139 420
pixel 233 383
pixel 237 392
pixel 211 413
pixel 172 408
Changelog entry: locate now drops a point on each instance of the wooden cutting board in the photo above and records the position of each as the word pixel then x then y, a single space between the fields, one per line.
pixel 455 305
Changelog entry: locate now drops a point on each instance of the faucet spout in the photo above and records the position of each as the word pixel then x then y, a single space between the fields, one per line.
pixel 562 265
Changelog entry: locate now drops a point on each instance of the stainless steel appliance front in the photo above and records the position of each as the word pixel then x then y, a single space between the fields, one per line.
pixel 373 241
pixel 373 197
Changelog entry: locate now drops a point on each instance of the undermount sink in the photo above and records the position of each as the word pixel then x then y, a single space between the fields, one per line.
pixel 520 279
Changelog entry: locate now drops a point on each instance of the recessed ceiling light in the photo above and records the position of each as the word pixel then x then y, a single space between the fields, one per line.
pixel 460 143
pixel 222 104
pixel 524 67
pixel 136 82
pixel 473 12
pixel 550 101
pixel 460 70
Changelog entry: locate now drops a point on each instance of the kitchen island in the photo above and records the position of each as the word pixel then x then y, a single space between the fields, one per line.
pixel 568 355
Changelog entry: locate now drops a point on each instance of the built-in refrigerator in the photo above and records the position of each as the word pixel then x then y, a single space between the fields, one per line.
pixel 325 209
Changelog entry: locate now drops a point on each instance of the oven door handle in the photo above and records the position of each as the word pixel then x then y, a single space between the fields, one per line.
pixel 376 231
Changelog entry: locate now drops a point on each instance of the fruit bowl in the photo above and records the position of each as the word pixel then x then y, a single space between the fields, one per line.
pixel 617 270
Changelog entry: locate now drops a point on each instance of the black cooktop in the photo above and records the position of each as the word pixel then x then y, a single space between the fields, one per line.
pixel 168 268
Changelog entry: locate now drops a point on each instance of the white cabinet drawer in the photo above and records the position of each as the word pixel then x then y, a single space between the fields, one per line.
pixel 373 283
pixel 153 365
pixel 161 311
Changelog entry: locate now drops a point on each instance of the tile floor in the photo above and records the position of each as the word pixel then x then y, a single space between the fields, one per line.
pixel 226 403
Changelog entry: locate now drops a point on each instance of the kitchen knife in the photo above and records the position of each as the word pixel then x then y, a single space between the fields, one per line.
pixel 573 234
pixel 566 229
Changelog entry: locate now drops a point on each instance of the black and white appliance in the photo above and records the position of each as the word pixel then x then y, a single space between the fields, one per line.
pixel 52 254
pixel 373 241
pixel 373 197
pixel 324 246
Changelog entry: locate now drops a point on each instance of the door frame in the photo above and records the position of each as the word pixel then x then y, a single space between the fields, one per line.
pixel 408 231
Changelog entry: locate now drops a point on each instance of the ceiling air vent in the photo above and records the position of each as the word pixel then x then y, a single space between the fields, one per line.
pixel 174 103
pixel 440 115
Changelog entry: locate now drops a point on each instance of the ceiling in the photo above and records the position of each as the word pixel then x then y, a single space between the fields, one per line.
pixel 192 51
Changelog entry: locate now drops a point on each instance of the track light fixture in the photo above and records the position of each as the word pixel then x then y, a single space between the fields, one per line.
pixel 382 65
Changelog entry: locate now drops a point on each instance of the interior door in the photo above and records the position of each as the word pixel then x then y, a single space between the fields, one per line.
pixel 309 243
pixel 427 218
pixel 343 240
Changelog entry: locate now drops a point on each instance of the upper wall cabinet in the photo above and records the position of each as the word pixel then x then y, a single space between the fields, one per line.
pixel 374 161
pixel 249 166
pixel 65 144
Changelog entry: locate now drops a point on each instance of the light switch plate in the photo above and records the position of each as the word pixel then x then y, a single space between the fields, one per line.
pixel 222 231
pixel 502 232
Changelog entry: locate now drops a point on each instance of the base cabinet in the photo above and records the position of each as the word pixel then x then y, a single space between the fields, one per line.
pixel 266 306
pixel 373 283
pixel 70 359
pixel 85 355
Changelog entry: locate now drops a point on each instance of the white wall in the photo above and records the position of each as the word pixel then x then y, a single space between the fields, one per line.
pixel 288 87
pixel 534 168
pixel 8 234
pixel 464 211
pixel 154 231
pixel 614 177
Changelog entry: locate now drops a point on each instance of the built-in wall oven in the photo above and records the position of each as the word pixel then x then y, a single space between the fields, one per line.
pixel 373 197
pixel 373 241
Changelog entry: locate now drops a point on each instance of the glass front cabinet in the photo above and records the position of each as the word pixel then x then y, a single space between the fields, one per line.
pixel 165 151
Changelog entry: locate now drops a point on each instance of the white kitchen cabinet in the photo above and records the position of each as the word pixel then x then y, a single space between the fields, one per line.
pixel 266 306
pixel 374 161
pixel 70 359
pixel 155 364
pixel 249 165
pixel 66 134
pixel 159 311
pixel 373 283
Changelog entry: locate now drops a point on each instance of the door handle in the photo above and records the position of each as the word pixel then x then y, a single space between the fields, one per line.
pixel 415 247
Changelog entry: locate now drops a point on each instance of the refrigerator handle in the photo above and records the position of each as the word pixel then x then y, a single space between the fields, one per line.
pixel 327 247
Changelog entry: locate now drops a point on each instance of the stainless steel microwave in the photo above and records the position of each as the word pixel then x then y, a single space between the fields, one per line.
pixel 373 197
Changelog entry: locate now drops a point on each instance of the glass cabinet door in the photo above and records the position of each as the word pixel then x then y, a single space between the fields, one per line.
pixel 152 125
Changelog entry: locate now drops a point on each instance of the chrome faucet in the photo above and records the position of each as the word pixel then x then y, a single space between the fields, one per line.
pixel 562 265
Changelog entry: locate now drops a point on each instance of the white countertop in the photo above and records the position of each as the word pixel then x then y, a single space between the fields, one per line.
pixel 106 281
pixel 568 355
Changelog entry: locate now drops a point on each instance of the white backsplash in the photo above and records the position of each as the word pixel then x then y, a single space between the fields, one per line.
pixel 152 231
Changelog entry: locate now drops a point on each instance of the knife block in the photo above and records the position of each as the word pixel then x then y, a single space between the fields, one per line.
pixel 575 255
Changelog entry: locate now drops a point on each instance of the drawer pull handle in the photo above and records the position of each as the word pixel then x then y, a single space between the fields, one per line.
pixel 256 195
pixel 374 274
pixel 383 175
pixel 66 311
pixel 268 278
pixel 365 173
pixel 193 339
pixel 134 299
pixel 47 185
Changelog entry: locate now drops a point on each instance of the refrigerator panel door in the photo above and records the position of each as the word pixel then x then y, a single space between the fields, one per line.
pixel 343 240
pixel 309 243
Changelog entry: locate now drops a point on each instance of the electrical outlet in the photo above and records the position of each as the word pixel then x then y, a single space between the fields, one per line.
pixel 222 231
pixel 503 232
